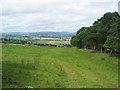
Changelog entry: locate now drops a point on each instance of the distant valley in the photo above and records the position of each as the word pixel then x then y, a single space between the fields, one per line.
pixel 54 38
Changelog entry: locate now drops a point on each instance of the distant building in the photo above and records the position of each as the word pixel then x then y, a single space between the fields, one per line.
pixel 119 7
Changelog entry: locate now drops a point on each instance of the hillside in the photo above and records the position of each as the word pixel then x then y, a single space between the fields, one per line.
pixel 38 34
pixel 57 67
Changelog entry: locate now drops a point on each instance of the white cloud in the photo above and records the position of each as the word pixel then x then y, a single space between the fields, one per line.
pixel 53 15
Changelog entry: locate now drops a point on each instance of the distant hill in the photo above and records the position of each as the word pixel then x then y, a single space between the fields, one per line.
pixel 55 34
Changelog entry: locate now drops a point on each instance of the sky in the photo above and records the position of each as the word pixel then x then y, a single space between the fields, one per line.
pixel 52 15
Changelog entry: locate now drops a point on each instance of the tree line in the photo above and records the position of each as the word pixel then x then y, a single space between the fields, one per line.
pixel 12 41
pixel 103 35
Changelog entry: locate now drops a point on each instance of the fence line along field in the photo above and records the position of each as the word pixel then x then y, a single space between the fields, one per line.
pixel 33 66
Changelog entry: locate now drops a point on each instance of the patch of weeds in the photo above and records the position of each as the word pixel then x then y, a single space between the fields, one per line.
pixel 102 59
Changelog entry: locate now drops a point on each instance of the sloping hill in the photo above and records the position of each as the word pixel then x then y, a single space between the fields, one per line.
pixel 57 67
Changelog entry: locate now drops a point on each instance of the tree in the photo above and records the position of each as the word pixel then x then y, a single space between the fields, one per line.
pixel 104 34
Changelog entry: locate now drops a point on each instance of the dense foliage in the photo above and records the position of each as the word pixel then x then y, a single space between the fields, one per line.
pixel 103 35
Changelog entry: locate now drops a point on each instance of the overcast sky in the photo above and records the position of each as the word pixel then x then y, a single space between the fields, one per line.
pixel 52 15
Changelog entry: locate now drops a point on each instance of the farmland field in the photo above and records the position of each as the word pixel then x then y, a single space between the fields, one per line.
pixel 57 67
pixel 55 38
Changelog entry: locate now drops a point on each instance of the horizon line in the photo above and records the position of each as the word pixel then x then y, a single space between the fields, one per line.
pixel 37 31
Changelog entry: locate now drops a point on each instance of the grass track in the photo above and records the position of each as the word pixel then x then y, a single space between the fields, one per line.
pixel 57 67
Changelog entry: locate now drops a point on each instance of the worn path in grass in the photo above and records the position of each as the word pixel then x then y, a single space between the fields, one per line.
pixel 71 75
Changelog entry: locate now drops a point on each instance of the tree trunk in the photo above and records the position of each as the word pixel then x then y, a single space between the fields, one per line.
pixel 111 52
pixel 94 47
pixel 101 50
pixel 105 51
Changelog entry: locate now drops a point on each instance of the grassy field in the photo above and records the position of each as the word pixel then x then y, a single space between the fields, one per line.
pixel 57 67
pixel 55 41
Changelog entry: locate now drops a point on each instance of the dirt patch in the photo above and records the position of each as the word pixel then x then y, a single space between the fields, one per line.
pixel 116 62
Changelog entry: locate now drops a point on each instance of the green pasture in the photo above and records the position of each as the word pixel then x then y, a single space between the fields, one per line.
pixel 57 67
